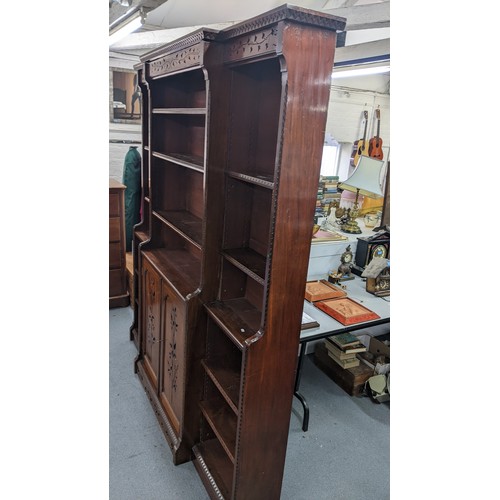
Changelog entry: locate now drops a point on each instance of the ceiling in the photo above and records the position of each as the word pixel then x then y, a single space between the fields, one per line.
pixel 167 20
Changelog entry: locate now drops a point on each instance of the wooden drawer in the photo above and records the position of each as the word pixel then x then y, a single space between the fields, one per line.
pixel 114 229
pixel 116 255
pixel 114 204
pixel 117 284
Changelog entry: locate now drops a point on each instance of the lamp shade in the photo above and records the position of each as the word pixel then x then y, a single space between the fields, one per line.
pixel 366 178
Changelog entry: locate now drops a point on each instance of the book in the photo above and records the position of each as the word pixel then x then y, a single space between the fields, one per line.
pixel 347 351
pixel 338 353
pixel 308 322
pixel 346 363
pixel 344 340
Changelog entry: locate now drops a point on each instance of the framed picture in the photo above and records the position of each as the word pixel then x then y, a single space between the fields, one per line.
pixel 125 96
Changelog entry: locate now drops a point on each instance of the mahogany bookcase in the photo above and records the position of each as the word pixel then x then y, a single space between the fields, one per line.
pixel 233 132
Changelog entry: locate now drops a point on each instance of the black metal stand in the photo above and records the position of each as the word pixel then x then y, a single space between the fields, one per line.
pixel 296 393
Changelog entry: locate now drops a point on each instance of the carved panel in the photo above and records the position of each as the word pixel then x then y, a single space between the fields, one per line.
pixel 255 44
pixel 171 357
pixel 152 319
pixel 190 56
pixel 174 331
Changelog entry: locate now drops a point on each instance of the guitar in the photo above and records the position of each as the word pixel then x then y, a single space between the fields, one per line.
pixel 375 146
pixel 360 147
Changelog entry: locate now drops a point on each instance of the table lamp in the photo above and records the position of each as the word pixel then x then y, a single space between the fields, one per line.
pixel 365 180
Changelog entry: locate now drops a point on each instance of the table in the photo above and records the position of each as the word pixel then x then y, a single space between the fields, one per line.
pixel 356 290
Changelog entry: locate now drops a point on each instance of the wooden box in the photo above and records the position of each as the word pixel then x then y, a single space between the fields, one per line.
pixel 352 380
pixel 322 290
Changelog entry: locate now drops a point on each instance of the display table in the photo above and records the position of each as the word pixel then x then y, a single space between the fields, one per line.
pixel 356 290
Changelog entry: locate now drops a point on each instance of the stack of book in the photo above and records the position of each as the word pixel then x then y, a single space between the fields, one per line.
pixel 328 195
pixel 342 348
pixel 331 195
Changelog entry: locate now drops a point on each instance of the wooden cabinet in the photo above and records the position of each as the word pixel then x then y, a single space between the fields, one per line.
pixel 118 294
pixel 162 365
pixel 235 131
pixel 184 123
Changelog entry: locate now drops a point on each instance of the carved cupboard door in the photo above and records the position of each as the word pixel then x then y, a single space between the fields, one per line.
pixel 151 318
pixel 172 384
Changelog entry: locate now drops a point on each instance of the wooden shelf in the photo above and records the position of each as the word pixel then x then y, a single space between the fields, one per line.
pixel 142 235
pixel 265 181
pixel 249 261
pixel 189 161
pixel 180 111
pixel 223 423
pixel 180 268
pixel 184 223
pixel 237 318
pixel 214 467
pixel 226 380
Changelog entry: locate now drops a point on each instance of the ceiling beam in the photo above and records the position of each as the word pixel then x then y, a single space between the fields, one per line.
pixel 360 17
pixel 150 39
pixel 116 10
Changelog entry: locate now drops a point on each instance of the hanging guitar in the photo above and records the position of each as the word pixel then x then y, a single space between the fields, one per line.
pixel 360 147
pixel 375 146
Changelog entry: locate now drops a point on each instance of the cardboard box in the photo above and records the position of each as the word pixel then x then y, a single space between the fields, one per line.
pixel 378 356
pixel 377 347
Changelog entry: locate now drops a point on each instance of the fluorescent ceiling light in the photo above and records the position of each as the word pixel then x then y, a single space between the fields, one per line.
pixel 132 23
pixel 372 70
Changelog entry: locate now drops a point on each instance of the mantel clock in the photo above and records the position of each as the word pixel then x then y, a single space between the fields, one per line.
pixel 377 245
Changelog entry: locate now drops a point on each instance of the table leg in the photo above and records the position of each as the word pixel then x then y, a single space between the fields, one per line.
pixel 296 393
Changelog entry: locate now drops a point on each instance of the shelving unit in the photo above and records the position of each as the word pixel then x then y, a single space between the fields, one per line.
pixel 279 68
pixel 236 123
pixel 175 259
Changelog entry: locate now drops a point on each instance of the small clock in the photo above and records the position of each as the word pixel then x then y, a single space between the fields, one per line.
pixel 346 264
pixel 376 246
pixel 379 250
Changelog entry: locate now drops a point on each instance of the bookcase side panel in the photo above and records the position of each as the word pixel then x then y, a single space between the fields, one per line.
pixel 271 362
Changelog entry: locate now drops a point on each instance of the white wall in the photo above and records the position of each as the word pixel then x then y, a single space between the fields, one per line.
pixel 345 119
pixel 345 114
